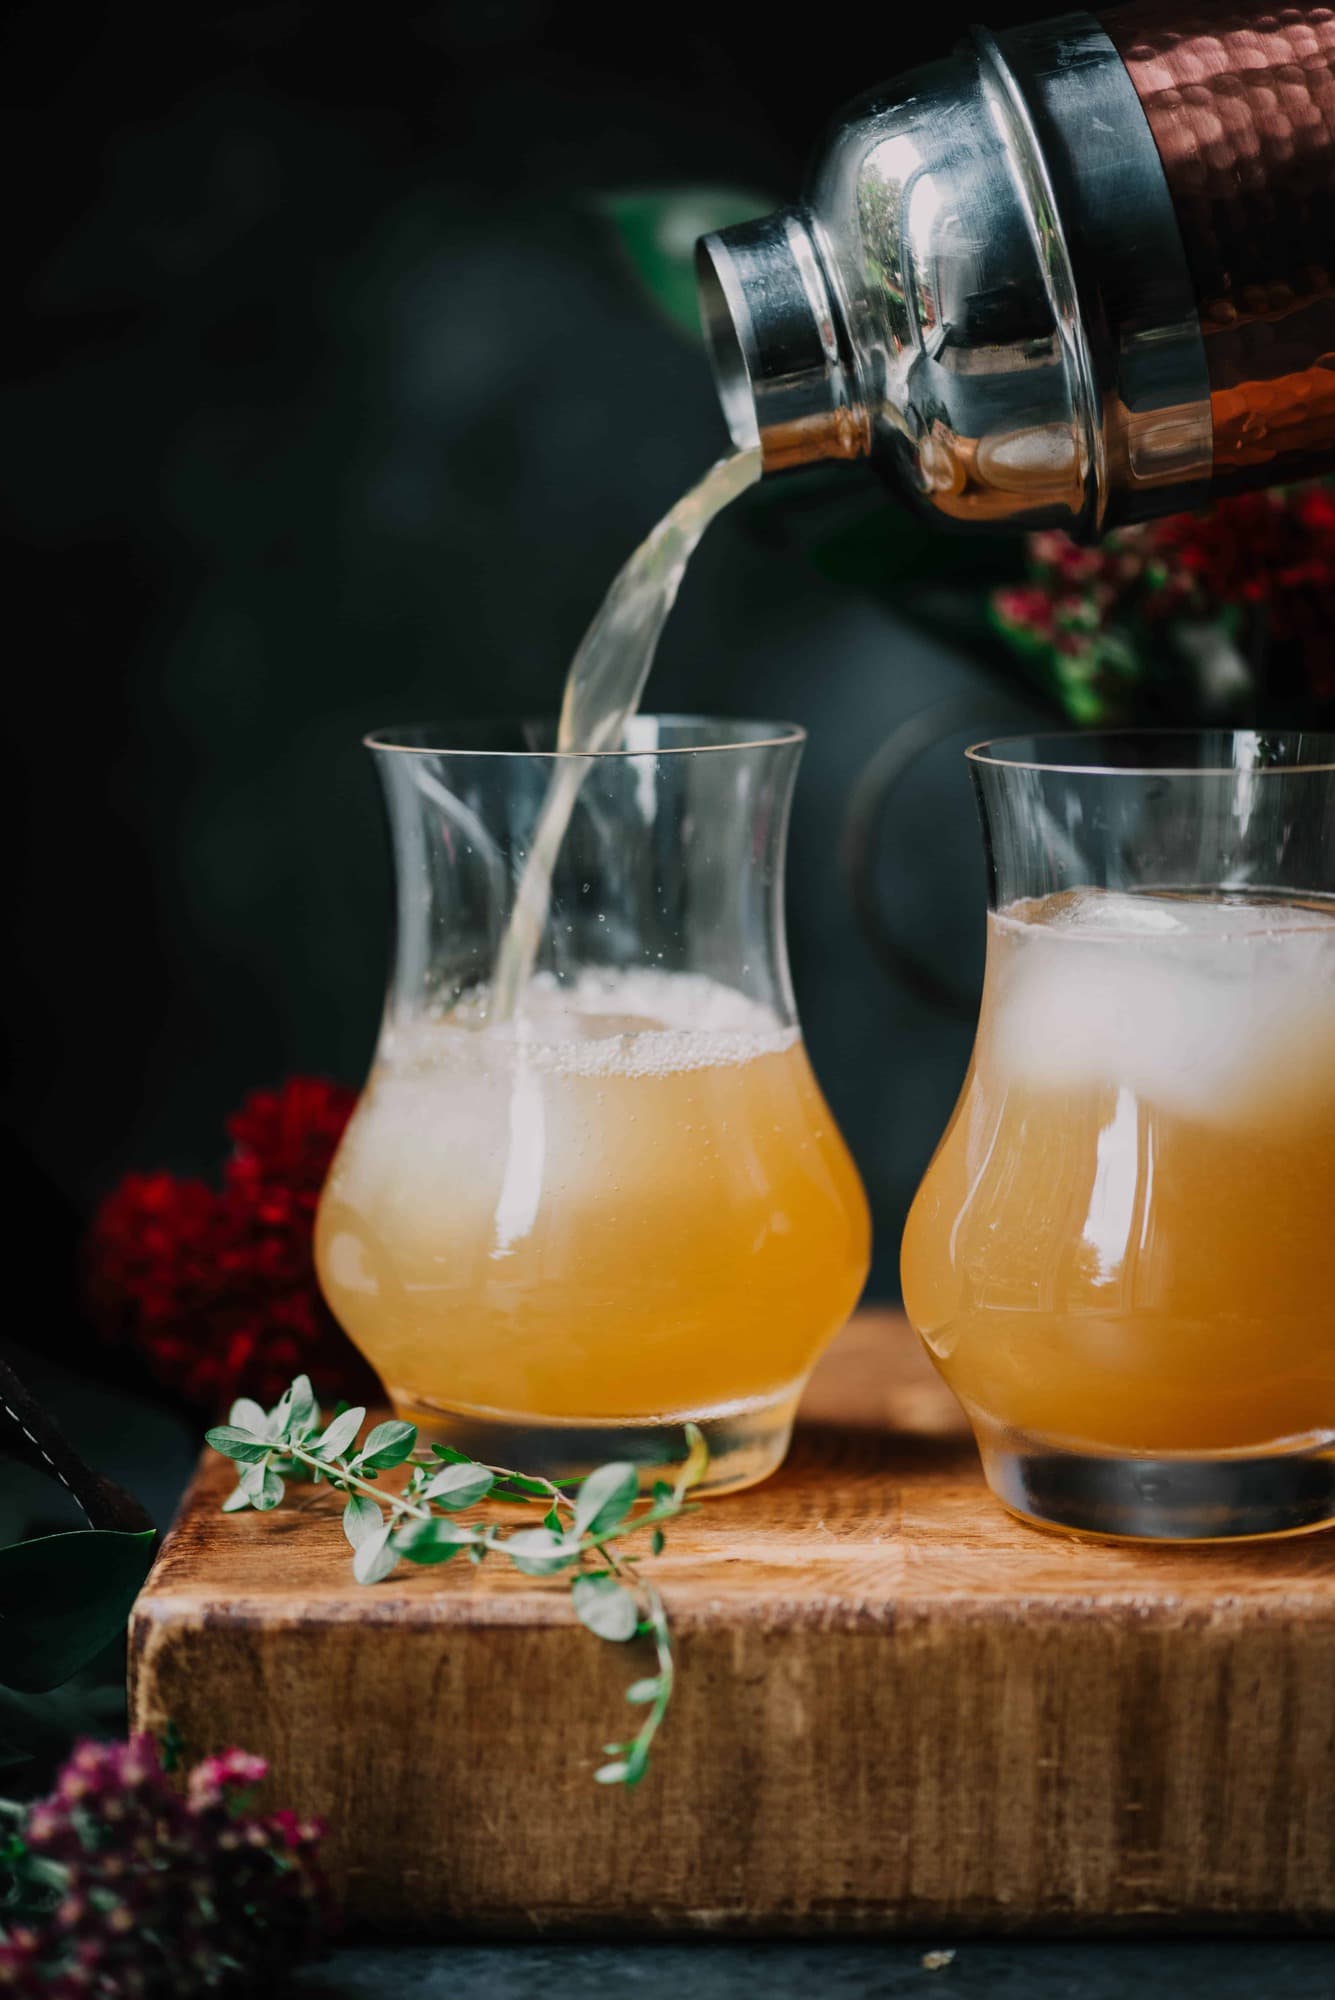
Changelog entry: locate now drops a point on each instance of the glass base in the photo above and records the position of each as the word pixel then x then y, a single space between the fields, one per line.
pixel 747 1441
pixel 1231 1497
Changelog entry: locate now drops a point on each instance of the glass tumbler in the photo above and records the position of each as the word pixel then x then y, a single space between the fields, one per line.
pixel 1122 1256
pixel 567 1217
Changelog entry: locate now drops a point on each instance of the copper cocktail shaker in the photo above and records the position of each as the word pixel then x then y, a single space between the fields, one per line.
pixel 1078 273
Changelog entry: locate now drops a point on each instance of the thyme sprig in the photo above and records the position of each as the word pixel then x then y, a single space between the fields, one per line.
pixel 583 1532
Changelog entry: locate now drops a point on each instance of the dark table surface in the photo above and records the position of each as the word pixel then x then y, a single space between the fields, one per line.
pixel 1217 1969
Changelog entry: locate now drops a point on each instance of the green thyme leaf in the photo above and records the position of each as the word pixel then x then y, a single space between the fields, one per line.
pixel 538 1552
pixel 433 1541
pixel 270 1490
pixel 361 1518
pixel 612 1597
pixel 233 1442
pixel 531 1489
pixel 389 1444
pixel 340 1433
pixel 604 1500
pixel 605 1607
pixel 458 1485
pixel 375 1558
pixel 303 1411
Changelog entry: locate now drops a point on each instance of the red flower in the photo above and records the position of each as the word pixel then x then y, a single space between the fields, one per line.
pixel 217 1289
pixel 1264 561
pixel 1026 607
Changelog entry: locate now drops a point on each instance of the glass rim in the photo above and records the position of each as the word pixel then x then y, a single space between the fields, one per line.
pixel 727 735
pixel 984 752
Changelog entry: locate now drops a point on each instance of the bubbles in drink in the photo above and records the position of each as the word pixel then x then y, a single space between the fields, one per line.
pixel 625 1201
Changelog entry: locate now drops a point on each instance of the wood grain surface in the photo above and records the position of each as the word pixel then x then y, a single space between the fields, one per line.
pixel 899 1709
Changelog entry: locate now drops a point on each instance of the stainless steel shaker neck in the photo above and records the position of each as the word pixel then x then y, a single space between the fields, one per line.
pixel 984 292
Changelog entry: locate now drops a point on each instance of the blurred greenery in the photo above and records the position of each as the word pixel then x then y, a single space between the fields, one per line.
pixel 657 230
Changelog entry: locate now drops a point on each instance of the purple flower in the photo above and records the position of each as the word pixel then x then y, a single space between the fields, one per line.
pixel 161 1893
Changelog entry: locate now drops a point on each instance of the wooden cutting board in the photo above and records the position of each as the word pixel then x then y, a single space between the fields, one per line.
pixel 899 1709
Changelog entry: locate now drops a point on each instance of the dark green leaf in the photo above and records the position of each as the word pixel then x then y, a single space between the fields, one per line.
pixel 657 229
pixel 340 1433
pixel 361 1518
pixel 388 1444
pixel 605 1498
pixel 551 1519
pixel 63 1598
pixel 450 1455
pixel 376 1557
pixel 538 1552
pixel 432 1541
pixel 456 1486
pixel 605 1607
pixel 238 1444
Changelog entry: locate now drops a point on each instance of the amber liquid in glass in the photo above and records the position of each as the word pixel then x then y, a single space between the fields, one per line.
pixel 1126 1240
pixel 629 1204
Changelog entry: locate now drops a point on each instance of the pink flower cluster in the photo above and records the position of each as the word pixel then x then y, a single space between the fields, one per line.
pixel 155 1892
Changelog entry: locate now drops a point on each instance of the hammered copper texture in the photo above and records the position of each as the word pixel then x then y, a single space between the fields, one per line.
pixel 1241 103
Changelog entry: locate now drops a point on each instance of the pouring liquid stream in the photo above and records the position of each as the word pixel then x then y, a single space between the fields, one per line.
pixel 602 692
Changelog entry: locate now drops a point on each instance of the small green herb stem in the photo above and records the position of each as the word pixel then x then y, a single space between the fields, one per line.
pixel 627 1572
pixel 337 1474
pixel 662 1639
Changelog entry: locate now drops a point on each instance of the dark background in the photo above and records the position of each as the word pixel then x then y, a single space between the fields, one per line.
pixel 334 401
